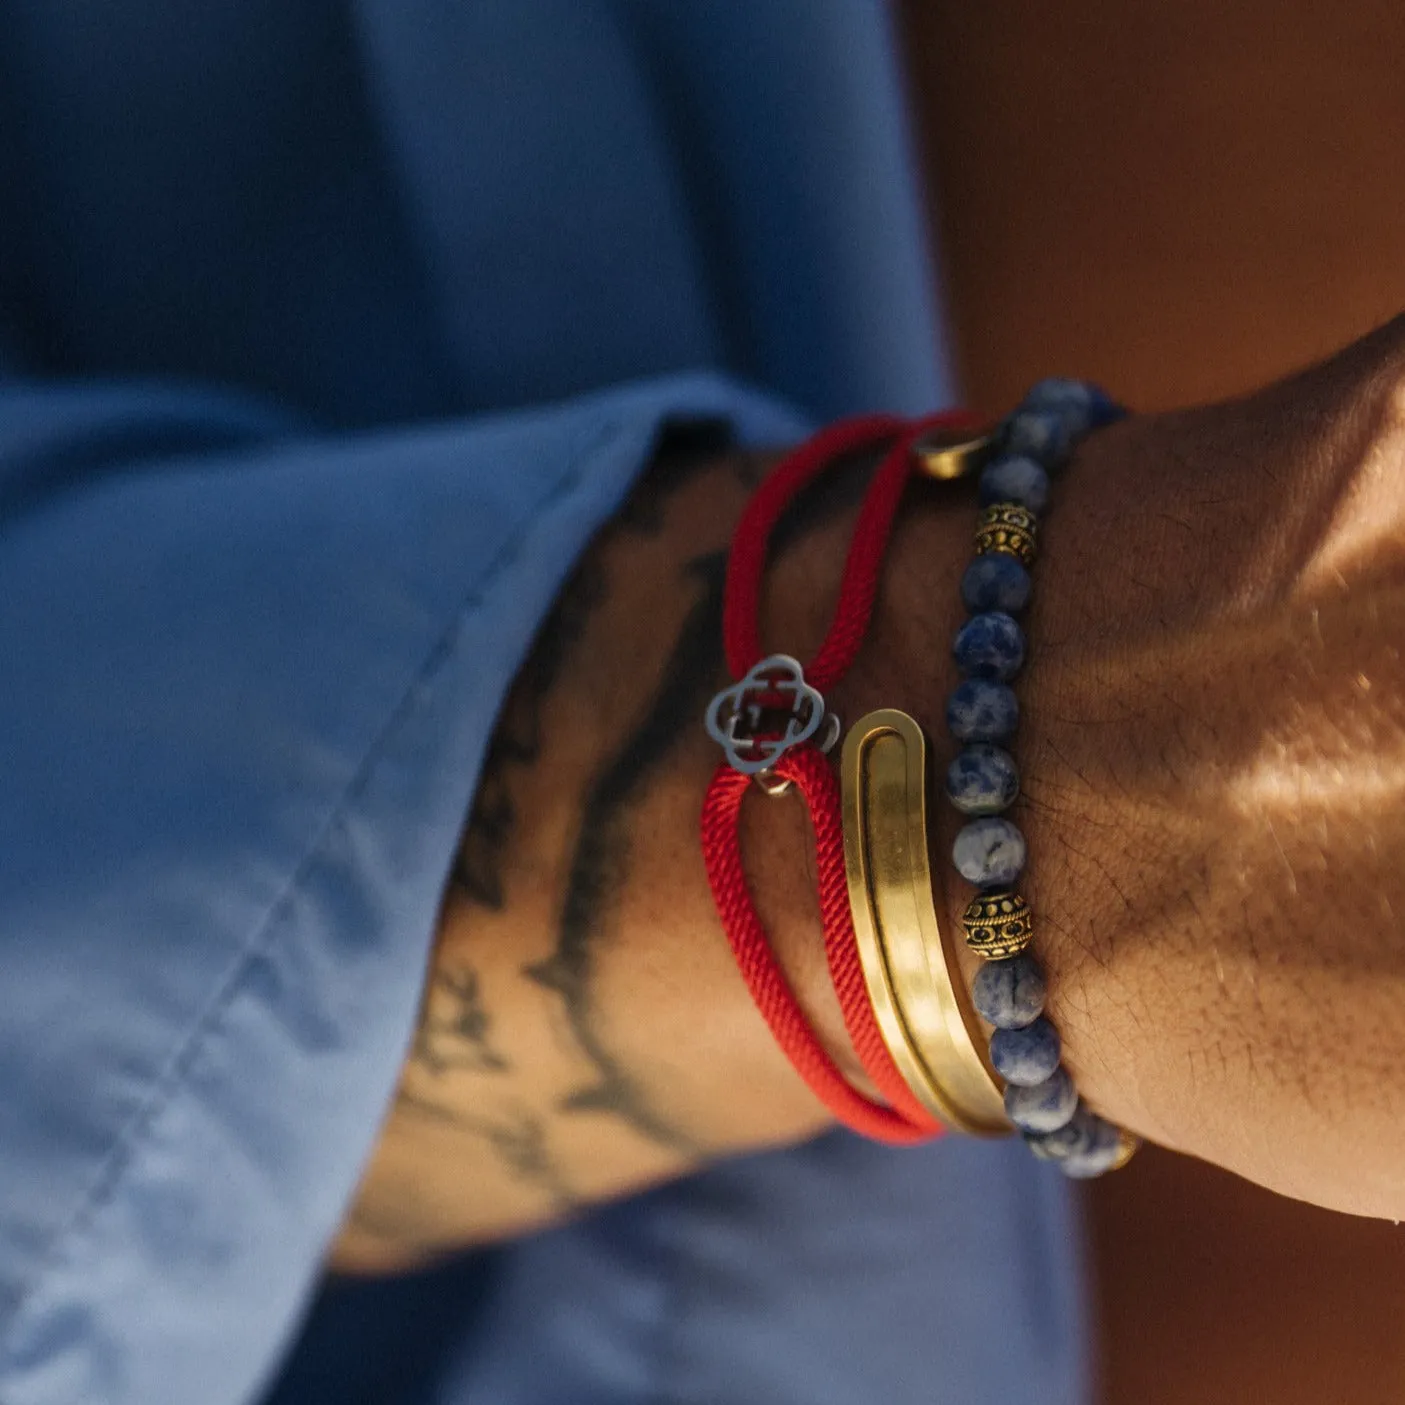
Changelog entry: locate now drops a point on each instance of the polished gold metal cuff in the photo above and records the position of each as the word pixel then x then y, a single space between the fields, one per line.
pixel 910 963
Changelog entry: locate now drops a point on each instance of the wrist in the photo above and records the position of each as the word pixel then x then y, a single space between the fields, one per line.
pixel 1210 749
pixel 911 1107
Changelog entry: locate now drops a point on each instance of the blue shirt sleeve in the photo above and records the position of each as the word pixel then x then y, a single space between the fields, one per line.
pixel 250 675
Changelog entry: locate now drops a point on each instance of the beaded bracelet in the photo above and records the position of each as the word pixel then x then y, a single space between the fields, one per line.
pixel 983 781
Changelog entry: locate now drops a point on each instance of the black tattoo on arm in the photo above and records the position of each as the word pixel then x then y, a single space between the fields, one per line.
pixel 477 871
pixel 454 1031
pixel 599 866
pixel 600 863
pixel 516 1137
pixel 392 1214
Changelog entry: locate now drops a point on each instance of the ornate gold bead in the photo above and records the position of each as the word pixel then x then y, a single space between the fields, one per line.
pixel 1009 528
pixel 998 925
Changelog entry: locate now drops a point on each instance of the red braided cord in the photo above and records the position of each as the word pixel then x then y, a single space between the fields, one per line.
pixel 903 1119
pixel 763 975
pixel 741 610
pixel 858 588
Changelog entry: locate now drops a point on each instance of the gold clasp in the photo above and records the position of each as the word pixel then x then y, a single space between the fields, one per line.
pixel 952 453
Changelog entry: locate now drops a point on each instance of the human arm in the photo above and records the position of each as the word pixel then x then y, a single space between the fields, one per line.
pixel 583 1030
pixel 1196 743
pixel 253 669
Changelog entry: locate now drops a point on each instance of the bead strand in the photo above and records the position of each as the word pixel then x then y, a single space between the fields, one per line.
pixel 983 780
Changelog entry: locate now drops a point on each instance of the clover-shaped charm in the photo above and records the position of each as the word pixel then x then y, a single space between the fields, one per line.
pixel 759 719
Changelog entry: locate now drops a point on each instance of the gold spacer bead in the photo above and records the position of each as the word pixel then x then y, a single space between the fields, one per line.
pixel 1128 1144
pixel 1009 528
pixel 998 925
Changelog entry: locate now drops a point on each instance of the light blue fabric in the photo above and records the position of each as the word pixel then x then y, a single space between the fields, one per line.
pixel 329 333
pixel 838 1273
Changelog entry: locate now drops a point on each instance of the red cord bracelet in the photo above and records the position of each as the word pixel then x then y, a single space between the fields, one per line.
pixel 744 719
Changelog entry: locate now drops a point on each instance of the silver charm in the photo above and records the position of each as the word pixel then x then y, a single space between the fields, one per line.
pixel 759 719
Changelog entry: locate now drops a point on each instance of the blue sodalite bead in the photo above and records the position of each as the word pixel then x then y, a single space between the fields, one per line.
pixel 1026 1056
pixel 989 645
pixel 995 581
pixel 982 780
pixel 989 853
pixel 1018 480
pixel 1055 392
pixel 1044 435
pixel 1010 994
pixel 1102 1152
pixel 1046 1106
pixel 980 710
pixel 1086 406
pixel 1085 1146
pixel 1078 1135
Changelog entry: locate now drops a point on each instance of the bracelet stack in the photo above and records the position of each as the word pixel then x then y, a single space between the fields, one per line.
pixel 915 1028
pixel 983 781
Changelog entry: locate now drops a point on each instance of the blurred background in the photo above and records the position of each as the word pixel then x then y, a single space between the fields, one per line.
pixel 1182 201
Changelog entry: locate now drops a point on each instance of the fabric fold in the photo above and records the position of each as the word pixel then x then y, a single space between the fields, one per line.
pixel 255 692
